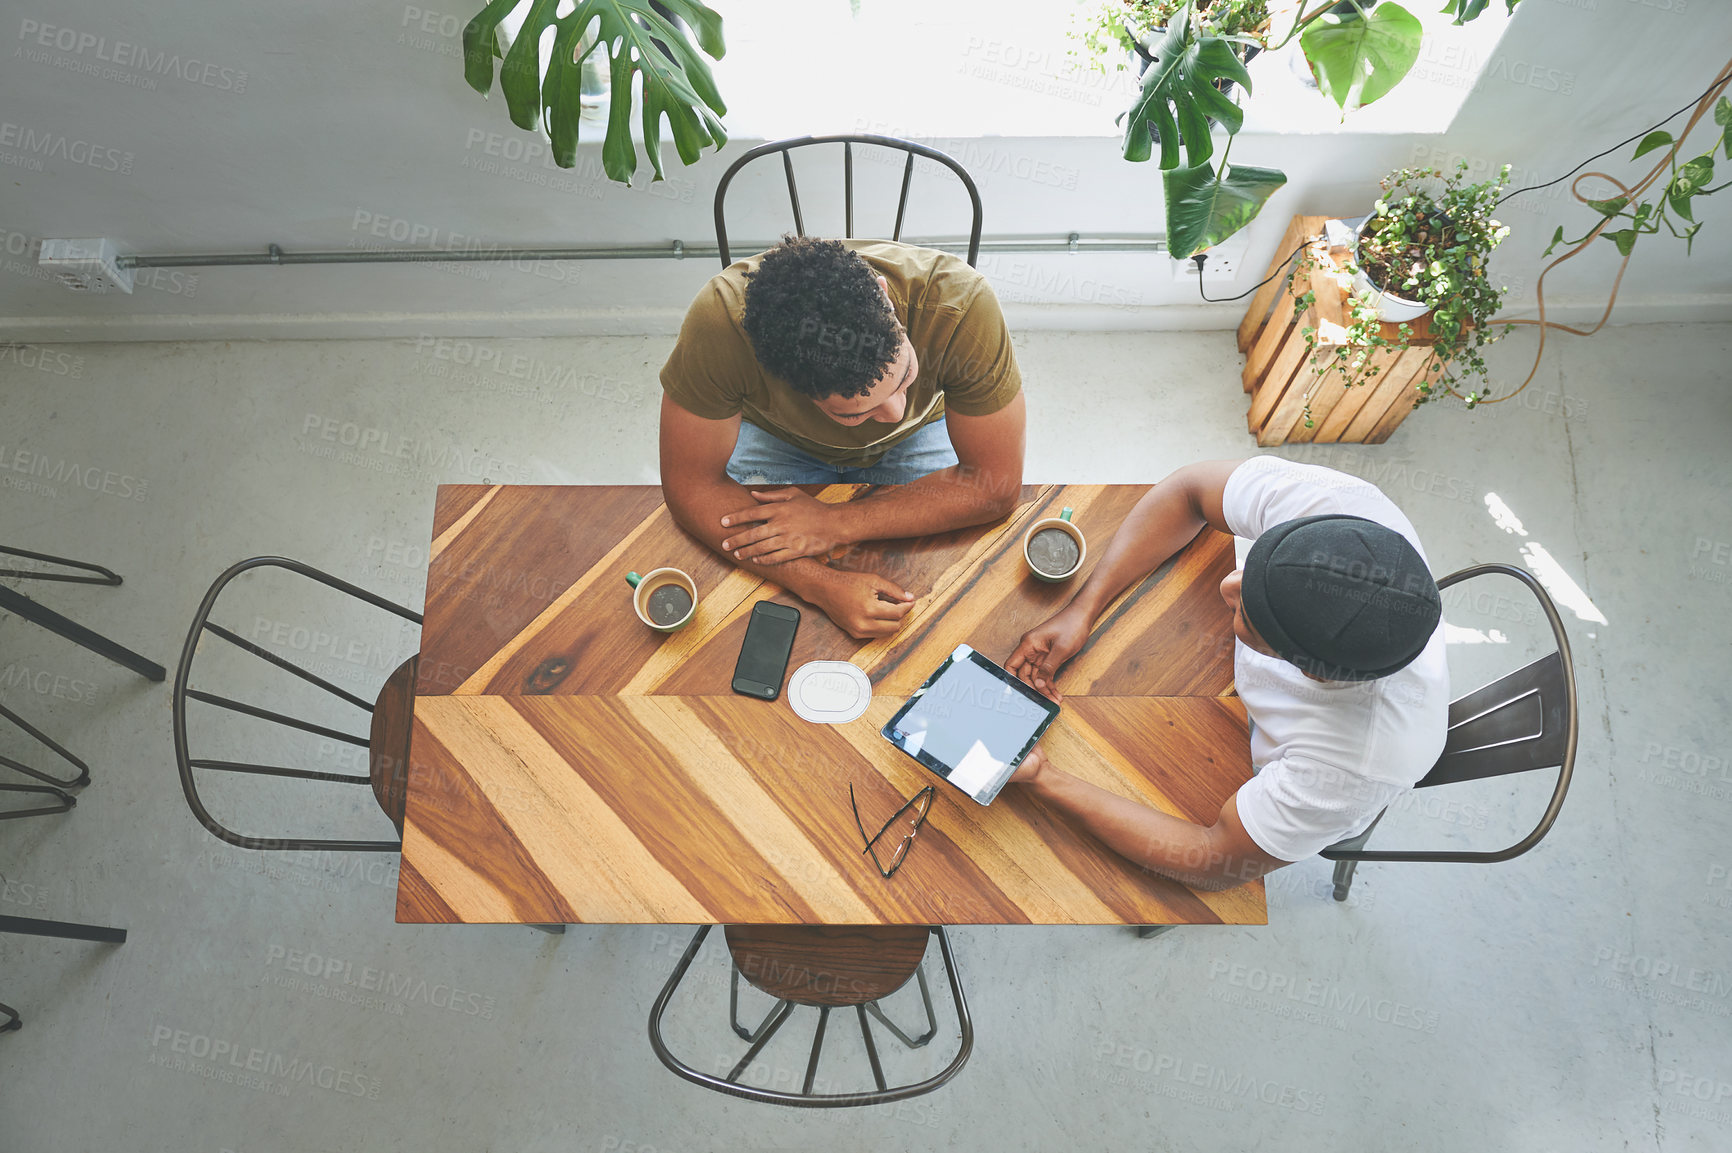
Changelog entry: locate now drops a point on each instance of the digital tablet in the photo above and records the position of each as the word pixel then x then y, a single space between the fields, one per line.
pixel 972 723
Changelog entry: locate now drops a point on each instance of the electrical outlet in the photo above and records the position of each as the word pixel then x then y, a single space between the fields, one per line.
pixel 86 265
pixel 1223 264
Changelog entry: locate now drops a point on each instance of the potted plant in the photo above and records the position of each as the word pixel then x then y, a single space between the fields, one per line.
pixel 1424 250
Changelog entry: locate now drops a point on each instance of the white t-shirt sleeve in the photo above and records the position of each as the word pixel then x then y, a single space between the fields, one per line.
pixel 1266 491
pixel 1293 808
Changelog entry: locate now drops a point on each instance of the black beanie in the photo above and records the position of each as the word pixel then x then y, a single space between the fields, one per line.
pixel 1340 597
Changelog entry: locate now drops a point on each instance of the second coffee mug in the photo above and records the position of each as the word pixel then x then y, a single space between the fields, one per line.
pixel 1054 547
pixel 664 598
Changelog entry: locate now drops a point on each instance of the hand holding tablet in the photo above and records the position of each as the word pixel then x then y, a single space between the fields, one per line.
pixel 972 723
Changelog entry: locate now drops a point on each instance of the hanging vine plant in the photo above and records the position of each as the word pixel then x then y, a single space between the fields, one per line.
pixel 653 39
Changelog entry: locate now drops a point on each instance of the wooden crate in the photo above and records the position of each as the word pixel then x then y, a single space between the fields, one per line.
pixel 1279 374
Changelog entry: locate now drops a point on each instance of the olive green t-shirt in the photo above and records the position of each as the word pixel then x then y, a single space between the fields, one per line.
pixel 953 321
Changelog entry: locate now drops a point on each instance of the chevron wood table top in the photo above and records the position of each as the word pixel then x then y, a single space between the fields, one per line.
pixel 569 764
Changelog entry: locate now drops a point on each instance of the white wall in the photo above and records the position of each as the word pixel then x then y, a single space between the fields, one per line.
pixel 347 115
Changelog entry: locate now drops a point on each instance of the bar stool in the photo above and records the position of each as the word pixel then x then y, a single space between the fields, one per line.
pixel 824 967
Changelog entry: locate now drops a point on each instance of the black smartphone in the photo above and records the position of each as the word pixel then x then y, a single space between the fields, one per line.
pixel 764 653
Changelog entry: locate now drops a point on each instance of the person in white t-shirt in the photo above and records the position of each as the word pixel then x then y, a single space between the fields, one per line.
pixel 1339 660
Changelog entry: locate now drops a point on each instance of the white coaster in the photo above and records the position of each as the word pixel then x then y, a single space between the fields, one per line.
pixel 829 692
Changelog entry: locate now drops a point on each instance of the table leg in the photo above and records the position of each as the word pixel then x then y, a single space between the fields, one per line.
pixel 1147 931
pixel 13 601
pixel 65 929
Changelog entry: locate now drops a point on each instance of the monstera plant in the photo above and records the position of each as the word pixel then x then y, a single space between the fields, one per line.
pixel 647 38
pixel 1357 52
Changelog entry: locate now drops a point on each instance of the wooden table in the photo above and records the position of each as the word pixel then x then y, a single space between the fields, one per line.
pixel 569 764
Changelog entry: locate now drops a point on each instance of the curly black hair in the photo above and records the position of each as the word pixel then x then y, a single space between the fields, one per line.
pixel 816 318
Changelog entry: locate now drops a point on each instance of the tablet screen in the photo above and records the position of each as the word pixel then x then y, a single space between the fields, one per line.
pixel 972 724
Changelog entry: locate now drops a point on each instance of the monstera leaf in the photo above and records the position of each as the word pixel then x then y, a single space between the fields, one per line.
pixel 1357 59
pixel 1179 95
pixel 1465 10
pixel 637 37
pixel 1204 208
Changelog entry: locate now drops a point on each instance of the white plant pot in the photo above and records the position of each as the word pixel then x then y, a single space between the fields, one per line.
pixel 1389 307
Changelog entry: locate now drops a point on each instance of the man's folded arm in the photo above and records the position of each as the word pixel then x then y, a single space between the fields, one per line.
pixel 699 492
pixel 983 485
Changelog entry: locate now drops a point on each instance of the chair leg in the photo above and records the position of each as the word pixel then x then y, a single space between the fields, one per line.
pixel 67 800
pixel 817 1048
pixel 15 1022
pixel 1147 931
pixel 1344 878
pixel 42 738
pixel 556 930
pixel 734 1009
pixel 18 603
pixel 769 1030
pixel 871 1048
pixel 1344 869
pixel 931 1018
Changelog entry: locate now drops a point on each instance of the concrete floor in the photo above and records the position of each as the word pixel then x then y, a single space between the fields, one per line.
pixel 1577 999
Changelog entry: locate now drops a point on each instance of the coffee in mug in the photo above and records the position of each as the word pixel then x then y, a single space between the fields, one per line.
pixel 663 598
pixel 1054 547
pixel 1053 552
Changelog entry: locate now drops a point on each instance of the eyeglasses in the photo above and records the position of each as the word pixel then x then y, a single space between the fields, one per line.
pixel 905 822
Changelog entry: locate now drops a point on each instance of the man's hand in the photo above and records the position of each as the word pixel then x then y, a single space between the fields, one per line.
pixel 783 525
pixel 1030 768
pixel 1048 645
pixel 864 604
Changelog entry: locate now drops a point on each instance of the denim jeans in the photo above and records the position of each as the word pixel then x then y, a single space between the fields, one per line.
pixel 760 458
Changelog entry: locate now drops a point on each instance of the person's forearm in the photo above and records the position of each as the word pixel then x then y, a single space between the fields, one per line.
pixel 1171 846
pixel 1161 524
pixel 951 498
pixel 699 508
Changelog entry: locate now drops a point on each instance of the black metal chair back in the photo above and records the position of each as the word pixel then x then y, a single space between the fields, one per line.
pixel 785 147
pixel 183 693
pixel 779 1013
pixel 1523 721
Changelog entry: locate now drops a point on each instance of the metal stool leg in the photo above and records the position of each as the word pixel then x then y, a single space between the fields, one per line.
pixel 16 1021
pixel 67 800
pixel 1344 878
pixel 42 738
pixel 931 1018
pixel 1147 931
pixel 555 930
pixel 71 931
pixel 17 602
pixel 734 1009
pixel 1344 869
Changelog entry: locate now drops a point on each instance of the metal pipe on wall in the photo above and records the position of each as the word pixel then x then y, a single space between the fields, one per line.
pixel 676 250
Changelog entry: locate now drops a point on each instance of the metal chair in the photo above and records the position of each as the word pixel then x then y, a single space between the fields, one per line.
pixel 825 967
pixel 848 142
pixel 14 1021
pixel 1520 722
pixel 386 771
pixel 387 741
pixel 16 602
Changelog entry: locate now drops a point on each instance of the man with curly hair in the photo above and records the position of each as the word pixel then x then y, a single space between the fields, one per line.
pixel 826 361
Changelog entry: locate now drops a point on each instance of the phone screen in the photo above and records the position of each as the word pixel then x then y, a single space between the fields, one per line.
pixel 764 653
